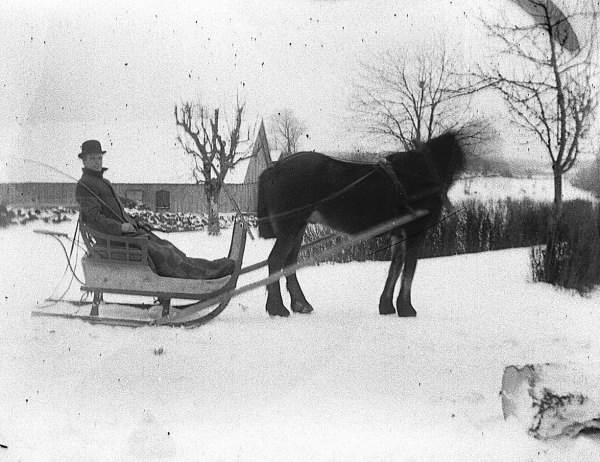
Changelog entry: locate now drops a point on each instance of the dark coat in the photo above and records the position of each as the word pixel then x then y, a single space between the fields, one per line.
pixel 102 210
pixel 100 206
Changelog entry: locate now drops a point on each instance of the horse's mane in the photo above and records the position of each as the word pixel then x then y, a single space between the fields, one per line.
pixel 360 158
pixel 440 146
pixel 441 156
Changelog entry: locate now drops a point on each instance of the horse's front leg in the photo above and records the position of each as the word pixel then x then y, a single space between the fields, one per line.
pixel 398 243
pixel 276 261
pixel 299 304
pixel 404 303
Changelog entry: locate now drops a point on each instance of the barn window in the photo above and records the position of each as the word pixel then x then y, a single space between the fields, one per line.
pixel 136 195
pixel 163 199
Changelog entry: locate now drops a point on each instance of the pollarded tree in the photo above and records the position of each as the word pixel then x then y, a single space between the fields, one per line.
pixel 213 154
pixel 409 97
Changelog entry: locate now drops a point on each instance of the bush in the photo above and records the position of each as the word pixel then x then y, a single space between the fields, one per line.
pixel 573 260
pixel 571 256
pixel 21 216
pixel 6 216
pixel 588 178
pixel 474 227
pixel 480 227
pixel 375 249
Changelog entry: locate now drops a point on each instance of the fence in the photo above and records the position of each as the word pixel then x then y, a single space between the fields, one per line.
pixel 157 196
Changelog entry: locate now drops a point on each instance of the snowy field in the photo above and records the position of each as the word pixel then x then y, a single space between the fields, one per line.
pixel 341 384
pixel 538 188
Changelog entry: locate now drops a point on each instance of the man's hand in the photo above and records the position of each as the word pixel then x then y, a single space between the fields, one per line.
pixel 145 226
pixel 127 228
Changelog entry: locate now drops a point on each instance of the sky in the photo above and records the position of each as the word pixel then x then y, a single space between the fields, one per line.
pixel 113 71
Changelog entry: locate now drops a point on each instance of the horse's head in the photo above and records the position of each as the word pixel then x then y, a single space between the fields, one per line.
pixel 438 162
pixel 447 155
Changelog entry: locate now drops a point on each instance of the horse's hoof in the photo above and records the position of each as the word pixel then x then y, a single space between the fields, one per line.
pixel 407 314
pixel 303 308
pixel 280 311
pixel 385 309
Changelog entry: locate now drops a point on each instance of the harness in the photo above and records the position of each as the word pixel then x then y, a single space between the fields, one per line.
pixel 385 165
pixel 434 171
pixel 382 164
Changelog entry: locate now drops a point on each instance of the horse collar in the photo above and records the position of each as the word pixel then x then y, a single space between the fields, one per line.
pixel 386 166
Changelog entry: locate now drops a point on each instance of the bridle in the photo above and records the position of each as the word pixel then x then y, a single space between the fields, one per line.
pixel 435 177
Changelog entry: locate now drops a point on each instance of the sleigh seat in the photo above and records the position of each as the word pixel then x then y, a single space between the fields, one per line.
pixel 120 265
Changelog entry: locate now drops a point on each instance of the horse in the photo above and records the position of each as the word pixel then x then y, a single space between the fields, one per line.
pixel 352 197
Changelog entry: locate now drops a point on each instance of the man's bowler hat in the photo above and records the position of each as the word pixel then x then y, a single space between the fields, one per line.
pixel 91 147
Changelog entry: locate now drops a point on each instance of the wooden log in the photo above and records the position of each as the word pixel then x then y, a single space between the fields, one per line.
pixel 552 400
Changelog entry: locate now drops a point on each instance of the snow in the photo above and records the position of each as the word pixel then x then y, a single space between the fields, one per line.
pixel 341 384
pixel 538 188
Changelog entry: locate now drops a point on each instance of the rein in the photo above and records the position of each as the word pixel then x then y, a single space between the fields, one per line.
pixel 384 165
pixel 319 202
pixel 119 217
pixel 96 196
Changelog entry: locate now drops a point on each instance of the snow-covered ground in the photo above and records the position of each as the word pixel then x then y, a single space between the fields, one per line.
pixel 341 384
pixel 538 188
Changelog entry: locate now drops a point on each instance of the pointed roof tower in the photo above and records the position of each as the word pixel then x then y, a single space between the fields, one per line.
pixel 261 156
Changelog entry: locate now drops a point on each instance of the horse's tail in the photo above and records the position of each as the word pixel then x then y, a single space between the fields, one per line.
pixel 265 227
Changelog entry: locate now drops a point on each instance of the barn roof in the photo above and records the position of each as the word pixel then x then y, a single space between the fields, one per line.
pixel 237 175
pixel 248 170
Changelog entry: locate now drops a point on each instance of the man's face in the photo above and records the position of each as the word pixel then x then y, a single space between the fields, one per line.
pixel 93 161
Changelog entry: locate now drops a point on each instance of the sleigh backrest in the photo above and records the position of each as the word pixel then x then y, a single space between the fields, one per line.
pixel 114 248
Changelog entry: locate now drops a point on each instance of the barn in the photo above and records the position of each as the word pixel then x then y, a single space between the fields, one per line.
pixel 241 185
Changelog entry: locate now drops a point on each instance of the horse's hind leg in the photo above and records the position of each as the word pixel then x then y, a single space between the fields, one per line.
pixel 277 260
pixel 299 304
pixel 398 243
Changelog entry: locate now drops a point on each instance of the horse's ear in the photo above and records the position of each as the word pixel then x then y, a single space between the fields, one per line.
pixel 417 144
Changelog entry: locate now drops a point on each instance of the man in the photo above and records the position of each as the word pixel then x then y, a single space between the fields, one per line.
pixel 102 210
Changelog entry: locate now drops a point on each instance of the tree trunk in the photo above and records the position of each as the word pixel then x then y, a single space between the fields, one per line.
pixel 212 198
pixel 558 192
pixel 557 205
pixel 551 264
pixel 214 226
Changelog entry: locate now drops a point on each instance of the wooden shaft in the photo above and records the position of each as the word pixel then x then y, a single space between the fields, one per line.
pixel 51 233
pixel 310 245
pixel 377 230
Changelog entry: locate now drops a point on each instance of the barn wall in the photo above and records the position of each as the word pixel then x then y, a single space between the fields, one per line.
pixel 183 197
pixel 38 194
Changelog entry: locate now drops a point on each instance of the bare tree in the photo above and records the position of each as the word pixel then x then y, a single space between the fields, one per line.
pixel 409 98
pixel 200 137
pixel 288 130
pixel 546 82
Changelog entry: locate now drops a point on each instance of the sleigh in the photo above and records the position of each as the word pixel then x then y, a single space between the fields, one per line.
pixel 120 265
